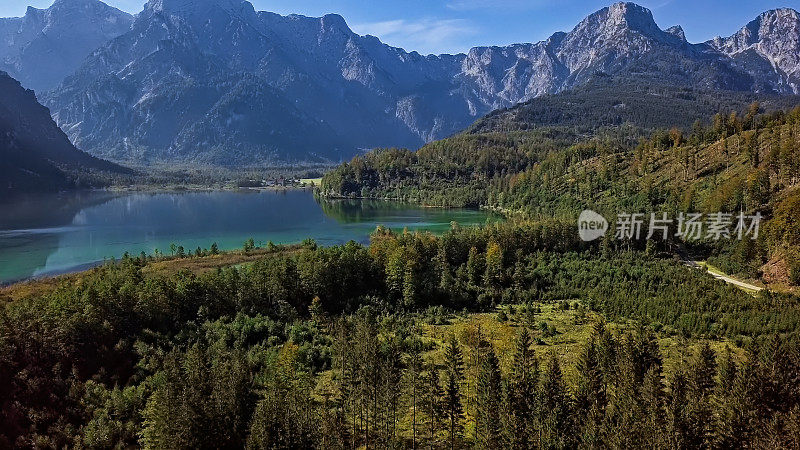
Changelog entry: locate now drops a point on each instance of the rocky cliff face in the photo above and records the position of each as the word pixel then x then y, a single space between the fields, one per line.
pixel 216 81
pixel 768 48
pixel 46 45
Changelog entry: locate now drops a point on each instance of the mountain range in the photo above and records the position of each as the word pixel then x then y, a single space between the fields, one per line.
pixel 215 81
pixel 43 47
pixel 35 155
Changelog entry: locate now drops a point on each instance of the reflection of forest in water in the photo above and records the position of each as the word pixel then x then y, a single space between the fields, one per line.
pixel 38 218
pixel 354 211
pixel 393 214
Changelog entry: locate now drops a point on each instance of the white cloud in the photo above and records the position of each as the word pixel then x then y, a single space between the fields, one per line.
pixel 424 35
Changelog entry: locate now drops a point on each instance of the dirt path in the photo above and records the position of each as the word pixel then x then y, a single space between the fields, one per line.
pixel 741 284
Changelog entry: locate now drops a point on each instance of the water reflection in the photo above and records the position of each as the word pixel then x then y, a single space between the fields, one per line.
pixel 48 234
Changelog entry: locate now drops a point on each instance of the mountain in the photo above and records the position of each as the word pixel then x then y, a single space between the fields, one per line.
pixel 43 47
pixel 35 155
pixel 768 47
pixel 216 81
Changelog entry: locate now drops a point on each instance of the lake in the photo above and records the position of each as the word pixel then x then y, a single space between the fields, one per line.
pixel 60 233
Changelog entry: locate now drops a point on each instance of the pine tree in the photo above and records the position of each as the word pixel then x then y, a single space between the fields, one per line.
pixel 396 273
pixel 446 279
pixel 432 397
pixel 493 276
pixel 475 267
pixel 389 389
pixel 703 370
pixel 521 393
pixel 652 398
pixel 607 350
pixel 725 436
pixel 518 276
pixel 454 376
pixel 646 354
pixel 777 373
pixel 554 410
pixel 591 397
pixel 677 420
pixel 488 426
pixel 414 382
pixel 628 417
pixel 411 285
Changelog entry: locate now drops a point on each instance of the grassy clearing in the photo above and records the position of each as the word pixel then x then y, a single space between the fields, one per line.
pixel 163 267
pixel 311 182
pixel 566 334
pixel 208 263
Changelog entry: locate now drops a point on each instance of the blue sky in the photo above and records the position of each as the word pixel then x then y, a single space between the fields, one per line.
pixel 450 26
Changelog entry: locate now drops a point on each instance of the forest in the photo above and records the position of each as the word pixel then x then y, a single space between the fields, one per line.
pixel 734 161
pixel 511 335
pixel 643 101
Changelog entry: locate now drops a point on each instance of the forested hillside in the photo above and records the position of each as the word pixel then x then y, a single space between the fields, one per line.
pixel 613 101
pixel 360 346
pixel 736 161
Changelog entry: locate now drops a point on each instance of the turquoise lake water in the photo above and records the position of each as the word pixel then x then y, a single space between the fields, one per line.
pixel 60 233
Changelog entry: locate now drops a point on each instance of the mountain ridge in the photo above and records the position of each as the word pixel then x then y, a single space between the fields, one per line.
pixel 36 154
pixel 44 46
pixel 356 91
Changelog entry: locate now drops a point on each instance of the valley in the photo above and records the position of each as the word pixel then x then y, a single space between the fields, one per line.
pixel 229 228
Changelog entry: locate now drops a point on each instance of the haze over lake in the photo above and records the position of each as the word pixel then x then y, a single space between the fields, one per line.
pixel 65 232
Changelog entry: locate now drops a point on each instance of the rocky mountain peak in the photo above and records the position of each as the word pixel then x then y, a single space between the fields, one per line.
pixel 334 21
pixel 73 3
pixel 630 15
pixel 777 24
pixel 622 30
pixel 66 11
pixel 614 25
pixel 31 11
pixel 773 37
pixel 620 16
pixel 677 31
pixel 46 45
pixel 195 7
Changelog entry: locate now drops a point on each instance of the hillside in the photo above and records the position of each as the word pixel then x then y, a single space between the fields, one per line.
pixel 36 156
pixel 643 102
pixel 747 161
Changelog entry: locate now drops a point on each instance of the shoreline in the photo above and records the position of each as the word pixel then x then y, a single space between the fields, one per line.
pixel 155 266
pixel 150 190
pixel 197 188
